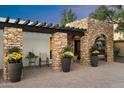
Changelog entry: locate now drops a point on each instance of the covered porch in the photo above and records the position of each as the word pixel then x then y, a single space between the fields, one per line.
pixel 14 35
pixel 77 34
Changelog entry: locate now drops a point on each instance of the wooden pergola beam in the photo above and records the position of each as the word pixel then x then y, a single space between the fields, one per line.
pixel 26 22
pixel 49 25
pixel 42 24
pixel 34 24
pixel 17 21
pixel 7 19
pixel 40 27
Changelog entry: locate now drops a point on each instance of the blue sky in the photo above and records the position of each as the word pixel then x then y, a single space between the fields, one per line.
pixel 49 13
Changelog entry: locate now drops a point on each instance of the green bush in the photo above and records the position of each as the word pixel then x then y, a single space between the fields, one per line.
pixel 67 48
pixel 94 50
pixel 67 52
pixel 31 56
pixel 14 49
pixel 116 52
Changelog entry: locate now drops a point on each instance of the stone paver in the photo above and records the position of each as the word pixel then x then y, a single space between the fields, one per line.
pixel 105 75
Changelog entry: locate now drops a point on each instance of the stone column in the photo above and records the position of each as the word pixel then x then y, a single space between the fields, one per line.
pixel 12 37
pixel 59 41
pixel 84 50
pixel 109 48
pixel 70 41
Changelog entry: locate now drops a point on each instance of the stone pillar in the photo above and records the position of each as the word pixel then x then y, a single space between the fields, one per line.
pixel 70 41
pixel 12 37
pixel 109 48
pixel 84 50
pixel 59 41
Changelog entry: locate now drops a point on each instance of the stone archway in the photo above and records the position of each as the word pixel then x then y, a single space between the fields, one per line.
pixel 95 29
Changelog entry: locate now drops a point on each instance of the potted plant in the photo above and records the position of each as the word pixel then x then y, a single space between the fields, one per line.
pixel 31 57
pixel 94 57
pixel 67 56
pixel 14 64
pixel 116 53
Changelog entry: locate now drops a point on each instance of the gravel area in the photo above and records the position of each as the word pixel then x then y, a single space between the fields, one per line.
pixel 106 75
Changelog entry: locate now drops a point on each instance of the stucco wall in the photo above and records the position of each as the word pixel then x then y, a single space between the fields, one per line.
pixel 1 49
pixel 36 42
pixel 31 41
pixel 118 36
pixel 120 45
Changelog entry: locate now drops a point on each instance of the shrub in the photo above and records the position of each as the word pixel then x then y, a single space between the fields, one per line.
pixel 116 52
pixel 14 49
pixel 31 56
pixel 94 50
pixel 67 48
pixel 14 57
pixel 67 52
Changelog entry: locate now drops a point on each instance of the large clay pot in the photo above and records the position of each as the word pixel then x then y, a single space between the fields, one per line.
pixel 94 61
pixel 66 64
pixel 15 71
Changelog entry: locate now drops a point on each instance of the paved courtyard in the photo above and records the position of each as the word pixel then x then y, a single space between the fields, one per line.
pixel 105 75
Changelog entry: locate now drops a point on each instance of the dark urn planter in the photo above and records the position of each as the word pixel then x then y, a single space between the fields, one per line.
pixel 15 71
pixel 94 61
pixel 66 64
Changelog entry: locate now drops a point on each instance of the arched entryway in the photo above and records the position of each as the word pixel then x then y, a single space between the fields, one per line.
pixel 100 43
pixel 96 29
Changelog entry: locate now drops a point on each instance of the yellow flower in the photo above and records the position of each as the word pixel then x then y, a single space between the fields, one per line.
pixel 68 54
pixel 14 56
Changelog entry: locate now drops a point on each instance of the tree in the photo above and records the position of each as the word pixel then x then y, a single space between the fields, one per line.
pixel 67 16
pixel 102 13
pixel 113 14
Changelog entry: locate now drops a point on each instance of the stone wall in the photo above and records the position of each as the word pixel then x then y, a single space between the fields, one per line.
pixel 59 41
pixel 70 41
pixel 95 28
pixel 12 37
pixel 83 23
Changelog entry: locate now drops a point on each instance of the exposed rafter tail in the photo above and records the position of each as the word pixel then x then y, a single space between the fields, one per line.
pixel 35 23
pixel 17 21
pixel 7 19
pixel 26 22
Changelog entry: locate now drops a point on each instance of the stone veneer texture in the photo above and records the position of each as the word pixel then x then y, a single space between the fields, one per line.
pixel 95 28
pixel 12 38
pixel 59 41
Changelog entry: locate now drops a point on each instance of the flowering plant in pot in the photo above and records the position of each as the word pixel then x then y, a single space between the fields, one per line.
pixel 14 59
pixel 94 56
pixel 67 56
pixel 31 57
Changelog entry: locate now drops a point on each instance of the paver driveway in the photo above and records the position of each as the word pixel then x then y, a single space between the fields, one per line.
pixel 105 75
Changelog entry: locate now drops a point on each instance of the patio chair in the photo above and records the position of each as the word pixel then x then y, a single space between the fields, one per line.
pixel 43 59
pixel 33 62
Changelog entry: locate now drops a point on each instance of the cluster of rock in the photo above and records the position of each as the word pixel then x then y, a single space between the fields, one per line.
pixel 12 37
pixel 94 28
